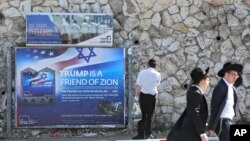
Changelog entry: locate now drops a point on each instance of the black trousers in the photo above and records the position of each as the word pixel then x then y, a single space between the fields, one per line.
pixel 147 105
pixel 224 134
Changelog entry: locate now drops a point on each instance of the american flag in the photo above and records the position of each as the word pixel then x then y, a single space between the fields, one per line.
pixel 57 59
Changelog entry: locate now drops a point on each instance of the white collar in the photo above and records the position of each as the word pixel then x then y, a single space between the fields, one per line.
pixel 151 68
pixel 230 85
pixel 202 92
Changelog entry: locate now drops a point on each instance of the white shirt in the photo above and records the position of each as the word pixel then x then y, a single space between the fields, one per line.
pixel 148 80
pixel 93 27
pixel 85 28
pixel 228 110
pixel 64 28
pixel 102 29
pixel 75 29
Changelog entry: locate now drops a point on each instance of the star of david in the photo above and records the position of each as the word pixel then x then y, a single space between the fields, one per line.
pixel 43 76
pixel 86 54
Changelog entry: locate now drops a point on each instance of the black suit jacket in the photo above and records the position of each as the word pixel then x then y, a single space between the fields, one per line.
pixel 218 102
pixel 193 120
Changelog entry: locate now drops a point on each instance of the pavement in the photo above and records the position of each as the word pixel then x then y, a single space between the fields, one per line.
pixel 119 137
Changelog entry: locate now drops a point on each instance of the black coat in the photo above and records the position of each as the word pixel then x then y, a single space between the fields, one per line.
pixel 218 102
pixel 193 120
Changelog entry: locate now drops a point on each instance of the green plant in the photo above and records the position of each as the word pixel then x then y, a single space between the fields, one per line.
pixel 159 127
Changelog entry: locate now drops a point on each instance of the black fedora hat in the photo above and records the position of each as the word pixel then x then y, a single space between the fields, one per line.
pixel 197 74
pixel 229 66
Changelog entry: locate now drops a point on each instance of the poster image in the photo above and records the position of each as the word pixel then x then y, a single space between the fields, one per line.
pixel 37 86
pixel 67 29
pixel 69 87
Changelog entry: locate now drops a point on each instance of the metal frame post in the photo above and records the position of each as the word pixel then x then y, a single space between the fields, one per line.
pixel 9 91
pixel 130 90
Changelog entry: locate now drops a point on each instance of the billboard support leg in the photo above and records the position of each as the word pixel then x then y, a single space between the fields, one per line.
pixel 130 96
pixel 9 92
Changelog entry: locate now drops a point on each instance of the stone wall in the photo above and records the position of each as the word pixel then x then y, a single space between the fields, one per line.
pixel 180 34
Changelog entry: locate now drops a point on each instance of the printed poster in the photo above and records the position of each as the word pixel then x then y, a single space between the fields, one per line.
pixel 70 87
pixel 67 29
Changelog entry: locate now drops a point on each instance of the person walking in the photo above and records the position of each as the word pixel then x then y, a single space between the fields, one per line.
pixel 146 89
pixel 224 100
pixel 191 126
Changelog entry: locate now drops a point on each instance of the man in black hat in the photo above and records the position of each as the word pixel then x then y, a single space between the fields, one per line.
pixel 146 89
pixel 224 100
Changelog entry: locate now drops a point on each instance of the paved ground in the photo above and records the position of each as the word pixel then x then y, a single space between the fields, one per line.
pixel 123 137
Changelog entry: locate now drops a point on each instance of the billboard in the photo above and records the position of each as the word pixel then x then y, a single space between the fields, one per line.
pixel 70 87
pixel 67 29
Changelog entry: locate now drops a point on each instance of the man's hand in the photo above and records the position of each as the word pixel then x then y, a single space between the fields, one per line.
pixel 204 138
pixel 211 133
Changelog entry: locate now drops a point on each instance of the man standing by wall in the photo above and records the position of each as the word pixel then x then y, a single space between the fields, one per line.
pixel 224 100
pixel 146 90
pixel 64 31
pixel 75 31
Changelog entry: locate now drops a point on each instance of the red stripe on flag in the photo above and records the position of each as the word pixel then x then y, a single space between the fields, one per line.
pixel 63 64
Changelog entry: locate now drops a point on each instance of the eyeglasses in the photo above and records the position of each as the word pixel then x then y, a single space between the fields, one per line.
pixel 234 74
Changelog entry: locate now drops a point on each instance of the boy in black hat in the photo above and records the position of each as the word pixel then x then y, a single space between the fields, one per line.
pixel 191 126
pixel 224 100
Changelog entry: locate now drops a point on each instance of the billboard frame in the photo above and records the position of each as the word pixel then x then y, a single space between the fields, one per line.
pixel 75 126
